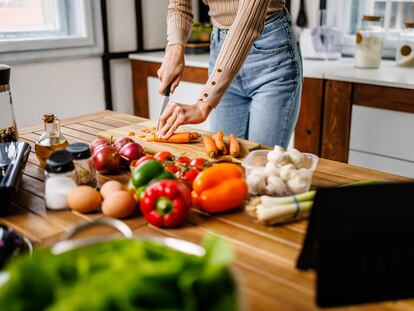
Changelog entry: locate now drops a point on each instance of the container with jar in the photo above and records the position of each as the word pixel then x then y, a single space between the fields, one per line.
pixel 84 165
pixel 8 129
pixel 51 140
pixel 369 40
pixel 59 179
pixel 405 47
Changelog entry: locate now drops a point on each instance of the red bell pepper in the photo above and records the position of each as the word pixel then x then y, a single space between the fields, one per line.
pixel 166 203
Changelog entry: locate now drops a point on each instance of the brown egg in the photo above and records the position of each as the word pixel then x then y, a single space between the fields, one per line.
pixel 110 187
pixel 84 199
pixel 119 204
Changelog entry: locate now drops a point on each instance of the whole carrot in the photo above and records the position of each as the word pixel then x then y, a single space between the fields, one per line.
pixel 234 146
pixel 210 146
pixel 218 139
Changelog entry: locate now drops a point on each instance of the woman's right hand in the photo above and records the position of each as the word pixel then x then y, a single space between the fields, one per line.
pixel 172 67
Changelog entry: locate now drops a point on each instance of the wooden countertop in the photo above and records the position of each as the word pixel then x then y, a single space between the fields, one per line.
pixel 266 256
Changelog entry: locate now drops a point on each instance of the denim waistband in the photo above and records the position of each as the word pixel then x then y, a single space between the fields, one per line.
pixel 278 19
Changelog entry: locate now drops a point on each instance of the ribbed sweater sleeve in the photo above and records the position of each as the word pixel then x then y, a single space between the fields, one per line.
pixel 179 21
pixel 246 28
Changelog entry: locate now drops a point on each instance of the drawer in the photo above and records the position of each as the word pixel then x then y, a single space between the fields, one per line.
pixel 376 162
pixel 383 132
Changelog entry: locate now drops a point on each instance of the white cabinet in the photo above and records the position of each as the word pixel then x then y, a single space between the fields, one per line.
pixel 382 139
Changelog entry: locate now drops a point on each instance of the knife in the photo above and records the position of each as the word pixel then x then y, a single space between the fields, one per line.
pixel 164 104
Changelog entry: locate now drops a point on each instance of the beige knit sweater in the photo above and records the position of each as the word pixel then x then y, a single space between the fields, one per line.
pixel 244 19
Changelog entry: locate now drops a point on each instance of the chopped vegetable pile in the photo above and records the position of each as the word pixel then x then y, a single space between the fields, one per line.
pixel 122 275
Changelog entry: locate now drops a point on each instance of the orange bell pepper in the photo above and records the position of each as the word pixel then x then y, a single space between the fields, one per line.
pixel 219 188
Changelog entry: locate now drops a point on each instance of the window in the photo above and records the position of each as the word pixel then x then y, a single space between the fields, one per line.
pixel 347 16
pixel 45 25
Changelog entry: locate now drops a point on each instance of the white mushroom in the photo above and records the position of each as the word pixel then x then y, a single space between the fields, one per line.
pixel 256 183
pixel 296 157
pixel 286 171
pixel 298 184
pixel 277 158
pixel 276 186
pixel 271 169
pixel 279 149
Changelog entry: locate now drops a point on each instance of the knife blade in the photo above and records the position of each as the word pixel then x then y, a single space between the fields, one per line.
pixel 164 104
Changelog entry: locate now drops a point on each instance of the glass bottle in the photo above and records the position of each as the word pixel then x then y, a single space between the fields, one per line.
pixel 369 39
pixel 405 46
pixel 84 165
pixel 59 179
pixel 8 128
pixel 51 140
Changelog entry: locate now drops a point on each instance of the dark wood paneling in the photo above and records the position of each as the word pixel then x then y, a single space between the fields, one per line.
pixel 141 70
pixel 308 127
pixel 336 122
pixel 383 97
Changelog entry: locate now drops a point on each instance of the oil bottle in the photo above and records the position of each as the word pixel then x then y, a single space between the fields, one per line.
pixel 51 140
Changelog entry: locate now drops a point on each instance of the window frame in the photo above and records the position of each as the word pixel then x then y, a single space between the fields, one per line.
pixel 89 42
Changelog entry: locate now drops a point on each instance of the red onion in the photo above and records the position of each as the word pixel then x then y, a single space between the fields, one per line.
pixel 131 151
pixel 106 159
pixel 96 143
pixel 120 142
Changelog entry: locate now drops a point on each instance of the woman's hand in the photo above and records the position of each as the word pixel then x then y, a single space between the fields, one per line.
pixel 176 114
pixel 172 67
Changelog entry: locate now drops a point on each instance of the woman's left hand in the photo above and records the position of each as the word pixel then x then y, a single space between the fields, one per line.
pixel 176 114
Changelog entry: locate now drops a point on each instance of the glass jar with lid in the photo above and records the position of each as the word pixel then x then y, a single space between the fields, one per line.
pixel 84 165
pixel 8 129
pixel 59 179
pixel 405 47
pixel 51 140
pixel 369 40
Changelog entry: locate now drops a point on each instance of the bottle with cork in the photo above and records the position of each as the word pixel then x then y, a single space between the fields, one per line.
pixel 51 140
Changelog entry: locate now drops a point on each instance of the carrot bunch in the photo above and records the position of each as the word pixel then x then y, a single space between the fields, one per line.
pixel 215 145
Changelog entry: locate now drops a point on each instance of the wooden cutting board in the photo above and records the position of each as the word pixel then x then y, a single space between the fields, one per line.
pixel 192 150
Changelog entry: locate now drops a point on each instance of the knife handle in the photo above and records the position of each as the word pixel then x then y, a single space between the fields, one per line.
pixel 167 91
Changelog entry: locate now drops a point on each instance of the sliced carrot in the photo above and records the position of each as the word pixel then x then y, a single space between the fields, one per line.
pixel 141 136
pixel 234 146
pixel 210 146
pixel 154 128
pixel 218 139
pixel 177 138
pixel 131 133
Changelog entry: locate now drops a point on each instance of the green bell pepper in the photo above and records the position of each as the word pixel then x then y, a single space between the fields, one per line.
pixel 144 173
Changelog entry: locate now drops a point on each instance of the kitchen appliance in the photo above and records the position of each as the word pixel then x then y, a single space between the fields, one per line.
pixel 13 158
pixel 323 42
pixel 8 128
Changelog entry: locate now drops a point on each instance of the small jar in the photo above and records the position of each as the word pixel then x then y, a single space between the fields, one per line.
pixel 59 179
pixel 405 47
pixel 369 40
pixel 84 165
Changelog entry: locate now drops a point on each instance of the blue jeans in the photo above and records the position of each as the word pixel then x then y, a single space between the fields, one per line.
pixel 262 103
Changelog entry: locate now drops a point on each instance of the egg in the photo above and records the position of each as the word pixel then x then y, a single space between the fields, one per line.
pixel 110 187
pixel 119 204
pixel 84 199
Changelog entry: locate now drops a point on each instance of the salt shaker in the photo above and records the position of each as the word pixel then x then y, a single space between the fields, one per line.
pixel 59 179
pixel 84 165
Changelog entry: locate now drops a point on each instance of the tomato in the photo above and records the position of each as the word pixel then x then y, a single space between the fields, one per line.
pixel 164 156
pixel 138 162
pixel 200 163
pixel 190 174
pixel 183 160
pixel 172 168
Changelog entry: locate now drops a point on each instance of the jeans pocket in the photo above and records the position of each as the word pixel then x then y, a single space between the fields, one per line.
pixel 272 42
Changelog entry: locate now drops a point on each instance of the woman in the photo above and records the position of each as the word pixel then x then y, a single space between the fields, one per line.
pixel 255 71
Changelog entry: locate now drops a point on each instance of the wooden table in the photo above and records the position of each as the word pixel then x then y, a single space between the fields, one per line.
pixel 266 256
